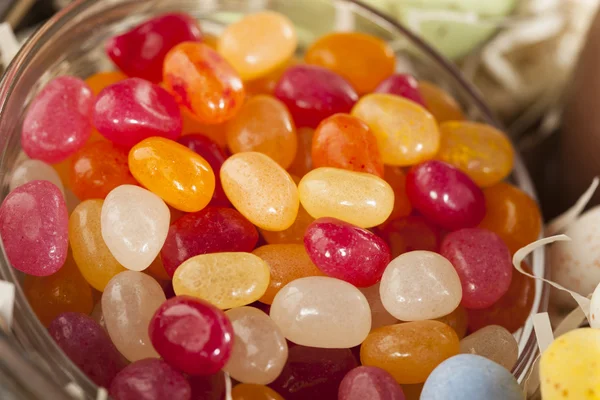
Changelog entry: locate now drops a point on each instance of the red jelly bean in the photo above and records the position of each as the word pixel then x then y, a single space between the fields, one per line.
pixel 445 195
pixel 211 230
pixel 192 335
pixel 134 109
pixel 150 379
pixel 410 233
pixel 403 85
pixel 483 264
pixel 34 225
pixel 347 252
pixel 371 383
pixel 88 346
pixel 314 93
pixel 141 51
pixel 58 121
pixel 210 387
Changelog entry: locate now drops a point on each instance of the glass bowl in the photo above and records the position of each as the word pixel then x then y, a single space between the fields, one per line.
pixel 72 42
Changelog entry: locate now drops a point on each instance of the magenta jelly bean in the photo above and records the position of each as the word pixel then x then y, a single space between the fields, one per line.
pixel 59 120
pixel 208 387
pixel 132 110
pixel 88 346
pixel 403 85
pixel 371 383
pixel 483 264
pixel 141 51
pixel 347 252
pixel 445 195
pixel 34 225
pixel 192 335
pixel 150 379
pixel 211 230
pixel 314 93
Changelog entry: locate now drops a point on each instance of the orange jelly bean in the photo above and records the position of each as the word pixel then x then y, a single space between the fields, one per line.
pixel 303 163
pixel 439 103
pixel 201 80
pixel 344 141
pixel 191 126
pixel 266 84
pixel 456 320
pixel 100 80
pixel 293 234
pixel 264 125
pixel 248 391
pixel 179 176
pixel 411 350
pixel 479 150
pixel 412 392
pixel 362 59
pixel 397 180
pixel 157 270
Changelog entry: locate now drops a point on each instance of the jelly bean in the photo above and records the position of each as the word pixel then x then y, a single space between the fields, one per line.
pixel 88 346
pixel 443 106
pixel 492 342
pixel 344 251
pixel 191 125
pixel 312 373
pixel 141 51
pixel 469 376
pixel 192 335
pixel 569 366
pixel 362 59
pixel 243 43
pixel 57 122
pixel 92 256
pixel 34 226
pixel 226 280
pixel 261 190
pixel 34 170
pixel 322 312
pixel 406 132
pixel 293 234
pixel 358 198
pixel 98 168
pixel 212 230
pixel 212 152
pixel 457 320
pixel 511 214
pixel 203 82
pixel 128 303
pixel 445 195
pixel 303 161
pixel 379 315
pixel 259 348
pixel 134 224
pixel 313 93
pixel 63 291
pixel 483 263
pixel 208 387
pixel 410 233
pixel 264 124
pixel 369 383
pixel 133 110
pixel 412 392
pixel 157 270
pixel 403 85
pixel 266 83
pixel 420 285
pixel 246 391
pixel 409 351
pixel 97 315
pixel 344 141
pixel 187 185
pixel 100 80
pixel 396 178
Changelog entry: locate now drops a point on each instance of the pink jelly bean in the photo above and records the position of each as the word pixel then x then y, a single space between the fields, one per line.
pixel 134 109
pixel 141 51
pixel 34 225
pixel 313 93
pixel 209 387
pixel 483 264
pixel 192 335
pixel 402 85
pixel 369 383
pixel 88 346
pixel 211 230
pixel 59 120
pixel 347 252
pixel 445 195
pixel 150 379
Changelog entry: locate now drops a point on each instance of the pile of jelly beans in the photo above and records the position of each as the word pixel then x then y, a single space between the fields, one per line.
pixel 317 228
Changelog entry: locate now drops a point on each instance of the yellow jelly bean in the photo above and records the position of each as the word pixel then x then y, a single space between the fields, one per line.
pixel 226 280
pixel 359 198
pixel 261 190
pixel 179 176
pixel 94 260
pixel 406 133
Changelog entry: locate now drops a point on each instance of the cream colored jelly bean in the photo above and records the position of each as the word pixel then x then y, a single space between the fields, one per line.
pixel 226 280
pixel 261 190
pixel 324 312
pixel 493 342
pixel 34 170
pixel 356 197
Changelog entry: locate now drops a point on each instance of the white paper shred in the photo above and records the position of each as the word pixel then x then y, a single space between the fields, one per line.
pixel 9 46
pixel 7 302
pixel 75 391
pixel 102 394
pixel 227 386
